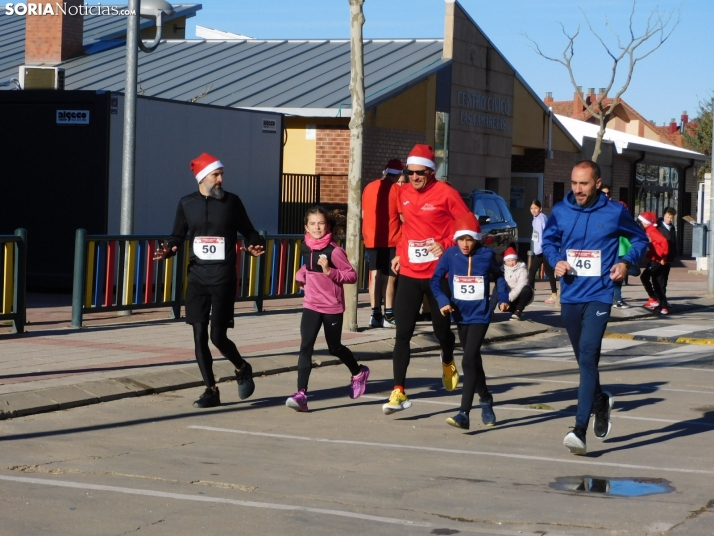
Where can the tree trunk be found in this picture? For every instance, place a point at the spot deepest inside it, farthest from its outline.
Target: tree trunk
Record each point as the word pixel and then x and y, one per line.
pixel 598 141
pixel 354 181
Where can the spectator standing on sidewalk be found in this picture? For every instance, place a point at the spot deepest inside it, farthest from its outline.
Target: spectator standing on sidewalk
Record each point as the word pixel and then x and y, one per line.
pixel 665 225
pixel 212 218
pixel 581 241
pixel 656 259
pixel 380 231
pixel 537 259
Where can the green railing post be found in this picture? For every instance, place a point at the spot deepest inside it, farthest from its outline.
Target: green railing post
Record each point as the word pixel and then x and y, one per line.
pixel 258 304
pixel 80 258
pixel 177 285
pixel 20 302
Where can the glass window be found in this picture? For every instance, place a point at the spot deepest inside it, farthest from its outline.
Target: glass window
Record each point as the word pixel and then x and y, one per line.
pixel 479 209
pixel 441 145
pixel 504 210
pixel 492 210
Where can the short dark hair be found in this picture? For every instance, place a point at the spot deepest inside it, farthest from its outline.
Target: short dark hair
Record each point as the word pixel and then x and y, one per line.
pixel 670 210
pixel 319 209
pixel 592 166
pixel 605 186
pixel 537 203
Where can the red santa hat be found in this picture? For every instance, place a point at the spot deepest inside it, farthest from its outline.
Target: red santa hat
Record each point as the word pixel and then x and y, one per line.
pixel 394 167
pixel 466 224
pixel 510 253
pixel 203 165
pixel 422 155
pixel 648 217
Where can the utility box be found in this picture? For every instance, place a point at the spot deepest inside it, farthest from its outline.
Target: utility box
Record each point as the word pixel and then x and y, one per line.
pixel 699 240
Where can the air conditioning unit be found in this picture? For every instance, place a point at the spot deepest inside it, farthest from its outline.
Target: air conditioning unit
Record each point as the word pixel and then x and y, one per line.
pixel 33 77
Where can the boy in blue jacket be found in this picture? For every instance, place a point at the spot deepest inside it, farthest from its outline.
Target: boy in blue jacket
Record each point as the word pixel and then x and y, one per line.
pixel 469 267
pixel 581 242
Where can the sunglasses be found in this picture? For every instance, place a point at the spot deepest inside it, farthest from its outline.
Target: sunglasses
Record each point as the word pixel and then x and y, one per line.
pixel 420 172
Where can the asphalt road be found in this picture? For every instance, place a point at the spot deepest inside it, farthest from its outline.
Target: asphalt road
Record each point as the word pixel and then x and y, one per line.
pixel 154 465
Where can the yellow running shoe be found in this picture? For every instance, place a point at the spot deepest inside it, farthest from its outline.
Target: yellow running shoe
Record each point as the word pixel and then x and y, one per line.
pixel 450 376
pixel 397 402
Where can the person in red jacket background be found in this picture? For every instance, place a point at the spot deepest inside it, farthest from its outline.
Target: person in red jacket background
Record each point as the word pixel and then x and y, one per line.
pixel 656 259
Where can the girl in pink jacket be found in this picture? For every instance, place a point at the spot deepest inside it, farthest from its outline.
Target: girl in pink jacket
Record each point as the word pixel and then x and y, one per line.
pixel 325 270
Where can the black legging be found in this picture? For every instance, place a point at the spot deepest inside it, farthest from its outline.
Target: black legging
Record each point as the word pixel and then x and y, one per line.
pixel 651 281
pixel 219 338
pixel 471 337
pixel 309 328
pixel 407 302
pixel 523 299
pixel 536 262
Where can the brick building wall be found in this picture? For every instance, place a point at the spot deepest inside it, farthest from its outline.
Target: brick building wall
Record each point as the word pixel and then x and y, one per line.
pixel 54 38
pixel 533 161
pixel 383 144
pixel 557 169
pixel 621 174
pixel 332 156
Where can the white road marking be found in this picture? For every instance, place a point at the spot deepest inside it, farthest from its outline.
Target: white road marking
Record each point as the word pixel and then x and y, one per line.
pixel 681 354
pixel 440 450
pixel 565 353
pixel 571 382
pixel 676 330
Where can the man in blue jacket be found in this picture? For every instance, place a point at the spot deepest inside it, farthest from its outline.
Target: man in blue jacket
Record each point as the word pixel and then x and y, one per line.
pixel 580 241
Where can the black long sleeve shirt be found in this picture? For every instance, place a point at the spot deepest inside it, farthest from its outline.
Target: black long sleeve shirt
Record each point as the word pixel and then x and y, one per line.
pixel 199 216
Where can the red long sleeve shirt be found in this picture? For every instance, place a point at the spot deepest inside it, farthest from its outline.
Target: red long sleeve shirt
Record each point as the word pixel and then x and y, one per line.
pixel 659 247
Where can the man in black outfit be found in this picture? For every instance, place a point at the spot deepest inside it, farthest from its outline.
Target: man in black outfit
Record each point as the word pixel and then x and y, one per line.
pixel 213 218
pixel 665 225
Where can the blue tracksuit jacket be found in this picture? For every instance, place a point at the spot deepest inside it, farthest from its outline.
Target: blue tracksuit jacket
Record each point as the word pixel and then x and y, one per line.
pixel 581 230
pixel 483 263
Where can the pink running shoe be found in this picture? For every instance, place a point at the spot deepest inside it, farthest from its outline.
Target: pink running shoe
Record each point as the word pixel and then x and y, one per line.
pixel 359 383
pixel 297 401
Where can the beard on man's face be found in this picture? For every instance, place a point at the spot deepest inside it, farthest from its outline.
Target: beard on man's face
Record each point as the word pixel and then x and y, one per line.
pixel 216 191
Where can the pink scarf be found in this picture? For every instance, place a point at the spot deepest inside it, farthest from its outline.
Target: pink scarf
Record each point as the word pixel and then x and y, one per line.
pixel 318 244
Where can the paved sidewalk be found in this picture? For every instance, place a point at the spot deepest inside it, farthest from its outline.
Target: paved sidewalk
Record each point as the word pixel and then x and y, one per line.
pixel 56 367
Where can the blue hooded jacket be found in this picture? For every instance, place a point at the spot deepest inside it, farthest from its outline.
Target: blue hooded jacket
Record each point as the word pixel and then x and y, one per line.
pixel 483 264
pixel 580 230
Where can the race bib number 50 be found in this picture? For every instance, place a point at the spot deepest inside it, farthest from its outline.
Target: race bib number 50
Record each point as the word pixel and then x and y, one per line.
pixel 419 251
pixel 210 248
pixel 585 262
pixel 469 288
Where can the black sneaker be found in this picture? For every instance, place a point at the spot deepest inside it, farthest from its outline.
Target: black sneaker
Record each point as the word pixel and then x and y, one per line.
pixel 487 415
pixel 209 399
pixel 244 378
pixel 601 423
pixel 575 441
pixel 459 421
pixel 621 305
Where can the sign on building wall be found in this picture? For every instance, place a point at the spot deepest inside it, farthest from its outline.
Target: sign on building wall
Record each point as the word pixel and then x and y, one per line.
pixel 483 110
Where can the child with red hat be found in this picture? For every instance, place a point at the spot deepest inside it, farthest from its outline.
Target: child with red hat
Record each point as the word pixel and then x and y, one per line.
pixel 656 259
pixel 469 266
pixel 520 293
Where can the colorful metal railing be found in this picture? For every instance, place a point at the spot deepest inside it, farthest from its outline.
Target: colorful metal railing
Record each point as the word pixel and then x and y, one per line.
pixel 13 259
pixel 118 273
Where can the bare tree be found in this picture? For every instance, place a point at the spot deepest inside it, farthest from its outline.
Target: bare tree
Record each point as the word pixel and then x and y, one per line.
pixel 659 28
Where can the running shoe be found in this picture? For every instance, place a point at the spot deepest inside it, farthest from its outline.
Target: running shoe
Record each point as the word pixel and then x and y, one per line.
pixel 551 300
pixel 601 423
pixel 575 441
pixel 389 322
pixel 651 304
pixel 359 382
pixel 375 322
pixel 516 316
pixel 450 376
pixel 621 305
pixel 460 420
pixel 209 399
pixel 664 311
pixel 488 417
pixel 297 401
pixel 244 379
pixel 397 402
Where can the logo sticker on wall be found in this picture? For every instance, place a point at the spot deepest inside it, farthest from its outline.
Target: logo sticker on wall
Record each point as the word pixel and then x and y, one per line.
pixel 270 126
pixel 72 117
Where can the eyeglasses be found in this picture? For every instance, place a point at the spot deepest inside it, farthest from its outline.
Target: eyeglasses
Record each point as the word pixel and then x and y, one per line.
pixel 420 172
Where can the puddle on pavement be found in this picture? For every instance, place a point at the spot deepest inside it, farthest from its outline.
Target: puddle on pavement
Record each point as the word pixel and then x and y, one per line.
pixel 619 487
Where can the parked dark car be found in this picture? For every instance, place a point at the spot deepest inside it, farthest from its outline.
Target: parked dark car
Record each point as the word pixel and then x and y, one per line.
pixel 497 226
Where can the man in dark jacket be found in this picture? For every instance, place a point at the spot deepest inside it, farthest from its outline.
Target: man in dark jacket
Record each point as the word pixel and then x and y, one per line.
pixel 666 226
pixel 213 218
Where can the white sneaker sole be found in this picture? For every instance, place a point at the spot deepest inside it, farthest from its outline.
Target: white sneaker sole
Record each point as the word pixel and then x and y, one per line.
pixel 611 403
pixel 575 445
pixel 388 410
pixel 294 405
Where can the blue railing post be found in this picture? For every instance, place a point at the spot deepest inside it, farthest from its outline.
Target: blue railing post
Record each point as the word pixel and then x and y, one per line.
pixel 19 300
pixel 177 286
pixel 258 304
pixel 80 257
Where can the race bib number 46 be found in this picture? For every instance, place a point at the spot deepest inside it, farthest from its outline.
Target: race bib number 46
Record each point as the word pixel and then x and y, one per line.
pixel 419 251
pixel 210 248
pixel 469 288
pixel 585 262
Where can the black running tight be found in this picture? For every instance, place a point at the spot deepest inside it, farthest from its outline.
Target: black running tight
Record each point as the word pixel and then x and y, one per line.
pixel 474 381
pixel 310 325
pixel 219 338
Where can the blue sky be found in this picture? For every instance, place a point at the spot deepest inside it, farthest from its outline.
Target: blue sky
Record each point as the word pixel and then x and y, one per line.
pixel 673 79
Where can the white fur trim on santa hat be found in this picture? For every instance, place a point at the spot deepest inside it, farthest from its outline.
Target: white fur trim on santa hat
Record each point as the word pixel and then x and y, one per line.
pixel 420 161
pixel 469 232
pixel 391 171
pixel 506 257
pixel 646 220
pixel 205 171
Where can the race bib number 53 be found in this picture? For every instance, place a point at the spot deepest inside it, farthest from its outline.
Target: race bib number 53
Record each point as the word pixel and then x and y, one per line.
pixel 585 262
pixel 419 251
pixel 469 288
pixel 210 248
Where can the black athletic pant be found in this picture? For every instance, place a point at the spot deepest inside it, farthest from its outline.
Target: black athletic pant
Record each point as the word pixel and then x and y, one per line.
pixel 309 328
pixel 471 337
pixel 663 278
pixel 650 280
pixel 407 303
pixel 523 299
pixel 536 262
pixel 219 338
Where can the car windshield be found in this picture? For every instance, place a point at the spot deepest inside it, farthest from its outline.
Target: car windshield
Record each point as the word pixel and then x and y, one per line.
pixel 491 210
